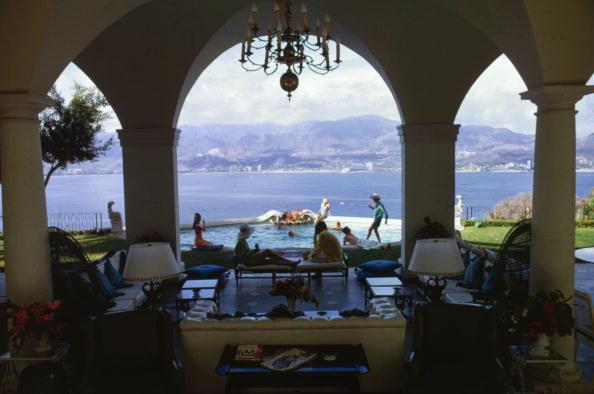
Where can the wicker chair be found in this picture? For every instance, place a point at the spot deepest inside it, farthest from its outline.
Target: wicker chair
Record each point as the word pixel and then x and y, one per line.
pixel 510 272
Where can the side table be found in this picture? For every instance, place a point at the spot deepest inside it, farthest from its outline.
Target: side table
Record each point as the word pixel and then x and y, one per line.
pixel 186 297
pixel 521 359
pixel 390 281
pixel 199 284
pixel 56 355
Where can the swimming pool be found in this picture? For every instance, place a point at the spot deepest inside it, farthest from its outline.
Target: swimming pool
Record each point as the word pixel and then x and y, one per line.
pixel 269 236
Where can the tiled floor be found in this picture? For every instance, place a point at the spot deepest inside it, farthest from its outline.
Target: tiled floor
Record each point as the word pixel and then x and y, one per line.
pixel 252 295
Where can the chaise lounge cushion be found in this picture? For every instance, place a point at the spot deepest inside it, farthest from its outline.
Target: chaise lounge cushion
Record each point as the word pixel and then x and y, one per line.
pixel 308 266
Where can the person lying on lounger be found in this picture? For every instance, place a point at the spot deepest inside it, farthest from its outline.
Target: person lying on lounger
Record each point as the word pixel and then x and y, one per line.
pixel 250 257
pixel 352 239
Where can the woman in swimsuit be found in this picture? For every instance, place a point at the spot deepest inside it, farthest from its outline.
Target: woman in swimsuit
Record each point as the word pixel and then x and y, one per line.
pixel 199 242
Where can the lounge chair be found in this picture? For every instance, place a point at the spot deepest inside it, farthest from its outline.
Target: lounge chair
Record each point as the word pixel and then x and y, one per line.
pixel 338 269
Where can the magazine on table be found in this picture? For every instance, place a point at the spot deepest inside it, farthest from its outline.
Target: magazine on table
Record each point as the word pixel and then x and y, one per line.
pixel 288 360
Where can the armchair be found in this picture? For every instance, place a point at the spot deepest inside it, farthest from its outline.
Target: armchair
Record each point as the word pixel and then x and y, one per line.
pixel 456 348
pixel 132 352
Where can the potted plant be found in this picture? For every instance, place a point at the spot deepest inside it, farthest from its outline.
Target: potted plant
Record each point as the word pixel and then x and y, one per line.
pixel 547 313
pixel 293 289
pixel 34 324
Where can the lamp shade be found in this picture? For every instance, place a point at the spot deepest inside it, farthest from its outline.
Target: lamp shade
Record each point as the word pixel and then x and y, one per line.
pixel 438 256
pixel 151 261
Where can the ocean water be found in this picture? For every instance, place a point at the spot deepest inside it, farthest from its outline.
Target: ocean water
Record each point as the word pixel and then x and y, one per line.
pixel 233 195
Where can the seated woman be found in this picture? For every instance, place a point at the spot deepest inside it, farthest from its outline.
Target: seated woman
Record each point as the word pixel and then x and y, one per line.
pixel 199 241
pixel 351 239
pixel 252 258
pixel 327 248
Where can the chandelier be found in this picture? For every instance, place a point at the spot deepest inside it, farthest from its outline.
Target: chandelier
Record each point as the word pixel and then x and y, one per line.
pixel 287 45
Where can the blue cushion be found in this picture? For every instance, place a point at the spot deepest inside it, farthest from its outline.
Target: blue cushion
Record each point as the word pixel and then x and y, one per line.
pixel 115 277
pixel 104 286
pixel 379 266
pixel 495 281
pixel 474 274
pixel 206 272
pixel 466 259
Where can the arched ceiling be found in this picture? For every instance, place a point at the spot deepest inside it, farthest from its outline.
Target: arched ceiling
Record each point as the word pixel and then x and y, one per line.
pixel 147 62
pixel 145 55
pixel 38 39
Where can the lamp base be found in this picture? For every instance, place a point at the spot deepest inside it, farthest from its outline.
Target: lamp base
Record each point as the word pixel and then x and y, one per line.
pixel 435 287
pixel 152 292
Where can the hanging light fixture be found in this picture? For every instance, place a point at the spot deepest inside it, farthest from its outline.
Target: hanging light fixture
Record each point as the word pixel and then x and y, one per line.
pixel 287 45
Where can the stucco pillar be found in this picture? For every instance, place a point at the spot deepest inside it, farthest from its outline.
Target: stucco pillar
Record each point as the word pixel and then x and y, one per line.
pixel 553 215
pixel 150 183
pixel 428 178
pixel 26 246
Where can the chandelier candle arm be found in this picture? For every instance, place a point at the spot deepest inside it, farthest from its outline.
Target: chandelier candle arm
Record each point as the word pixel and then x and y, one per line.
pixel 305 17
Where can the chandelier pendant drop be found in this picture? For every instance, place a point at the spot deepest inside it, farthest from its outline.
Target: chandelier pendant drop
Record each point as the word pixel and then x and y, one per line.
pixel 288 45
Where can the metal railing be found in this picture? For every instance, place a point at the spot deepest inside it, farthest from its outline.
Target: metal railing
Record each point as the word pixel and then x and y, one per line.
pixel 81 221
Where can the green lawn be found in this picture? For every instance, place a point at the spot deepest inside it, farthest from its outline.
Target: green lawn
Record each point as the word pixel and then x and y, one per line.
pixel 491 237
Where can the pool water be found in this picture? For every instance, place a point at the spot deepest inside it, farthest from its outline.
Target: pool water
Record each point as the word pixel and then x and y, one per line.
pixel 269 236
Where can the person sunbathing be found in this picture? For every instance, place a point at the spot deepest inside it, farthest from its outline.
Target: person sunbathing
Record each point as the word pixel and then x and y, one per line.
pixel 250 257
pixel 327 248
pixel 199 241
pixel 352 239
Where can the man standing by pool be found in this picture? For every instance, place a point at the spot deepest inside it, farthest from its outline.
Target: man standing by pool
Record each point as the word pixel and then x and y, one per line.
pixel 379 211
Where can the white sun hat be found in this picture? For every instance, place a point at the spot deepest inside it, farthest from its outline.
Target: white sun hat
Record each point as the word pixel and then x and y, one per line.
pixel 245 231
pixel 375 195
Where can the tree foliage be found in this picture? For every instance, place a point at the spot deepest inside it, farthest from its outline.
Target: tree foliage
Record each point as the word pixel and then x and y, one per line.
pixel 69 131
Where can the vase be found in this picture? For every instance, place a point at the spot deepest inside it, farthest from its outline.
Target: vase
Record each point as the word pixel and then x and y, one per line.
pixel 541 346
pixel 43 344
pixel 291 304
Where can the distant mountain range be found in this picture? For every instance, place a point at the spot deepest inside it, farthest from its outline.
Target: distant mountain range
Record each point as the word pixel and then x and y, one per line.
pixel 356 143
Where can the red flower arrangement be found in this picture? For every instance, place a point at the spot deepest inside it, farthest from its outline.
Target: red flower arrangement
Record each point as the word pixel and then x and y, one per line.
pixel 294 288
pixel 36 321
pixel 549 313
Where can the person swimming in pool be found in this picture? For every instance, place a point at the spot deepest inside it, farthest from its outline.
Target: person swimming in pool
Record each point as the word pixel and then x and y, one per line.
pixel 199 241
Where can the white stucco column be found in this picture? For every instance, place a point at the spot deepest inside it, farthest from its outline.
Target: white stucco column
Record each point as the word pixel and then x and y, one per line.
pixel 150 183
pixel 428 178
pixel 553 215
pixel 26 246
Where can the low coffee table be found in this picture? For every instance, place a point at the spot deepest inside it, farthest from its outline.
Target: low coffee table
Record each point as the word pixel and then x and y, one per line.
pixel 343 370
pixel 388 281
pixel 186 297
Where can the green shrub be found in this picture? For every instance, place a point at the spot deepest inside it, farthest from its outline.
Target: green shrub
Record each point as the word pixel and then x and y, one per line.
pixel 509 223
pixel 488 223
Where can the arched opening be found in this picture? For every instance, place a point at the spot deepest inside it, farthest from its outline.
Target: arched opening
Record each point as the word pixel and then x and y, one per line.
pixel 94 183
pixel 245 149
pixel 496 142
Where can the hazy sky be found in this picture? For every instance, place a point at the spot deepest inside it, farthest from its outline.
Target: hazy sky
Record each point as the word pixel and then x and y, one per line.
pixel 226 93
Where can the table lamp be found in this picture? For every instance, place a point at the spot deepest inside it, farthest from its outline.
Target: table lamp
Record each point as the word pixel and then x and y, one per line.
pixel 439 258
pixel 151 262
